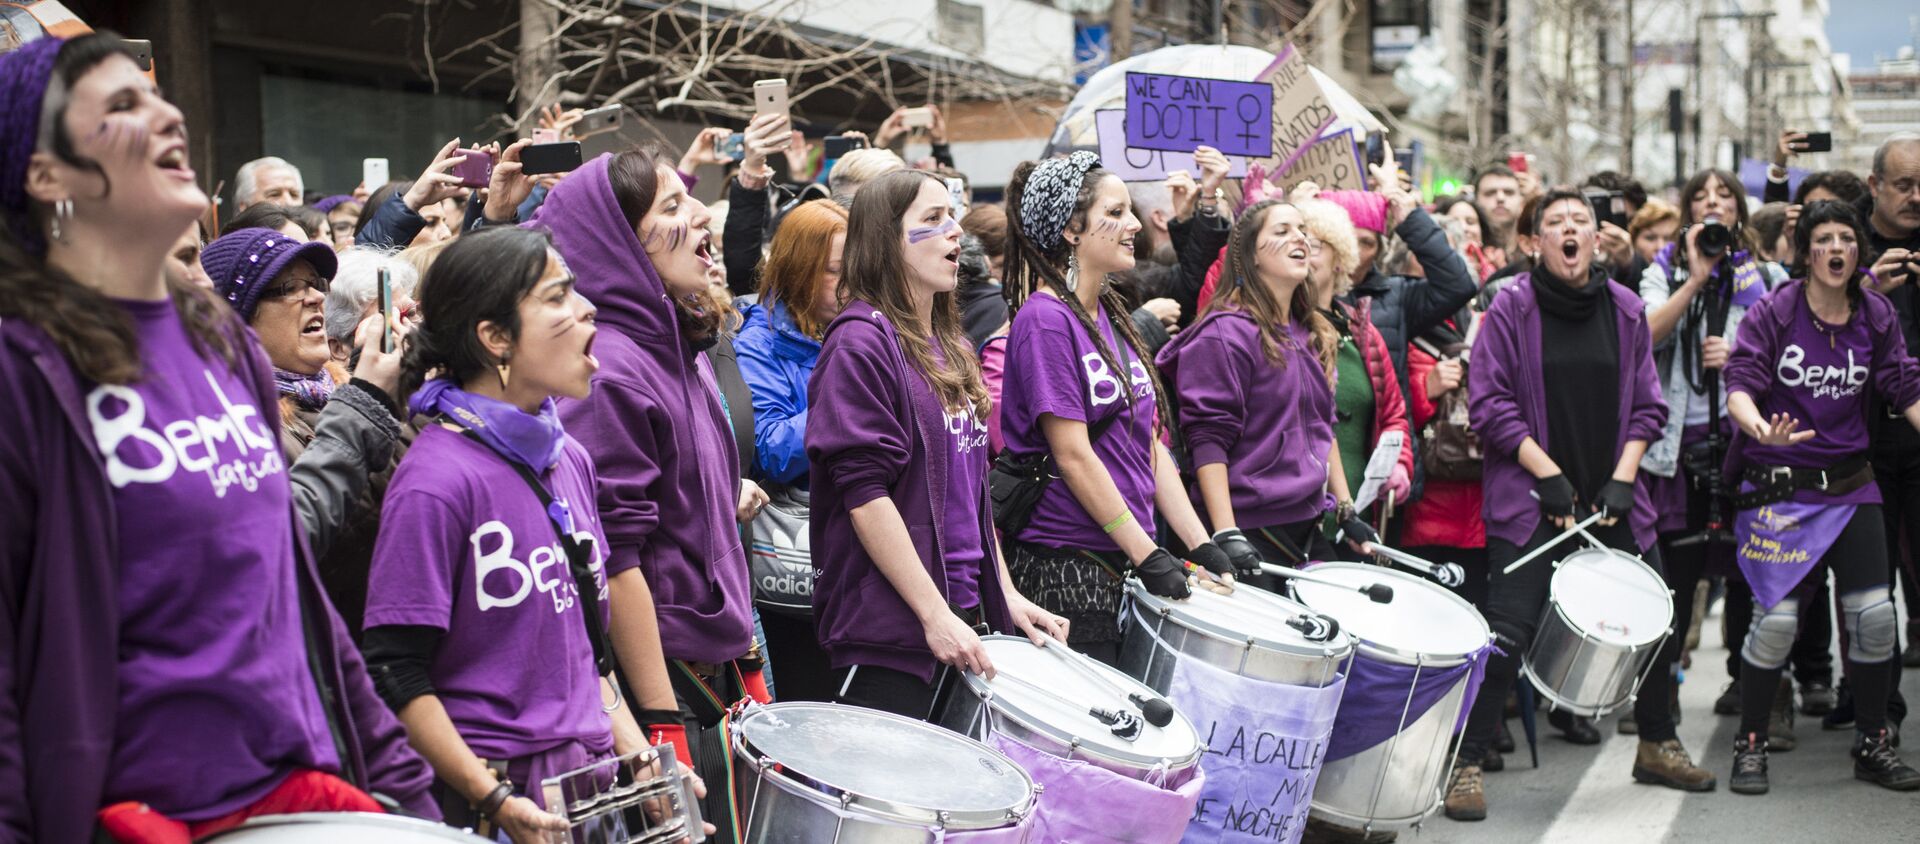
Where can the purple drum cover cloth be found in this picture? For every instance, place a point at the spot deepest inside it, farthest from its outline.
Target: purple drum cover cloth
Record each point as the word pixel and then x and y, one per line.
pixel 1377 696
pixel 1265 744
pixel 1082 803
pixel 1779 543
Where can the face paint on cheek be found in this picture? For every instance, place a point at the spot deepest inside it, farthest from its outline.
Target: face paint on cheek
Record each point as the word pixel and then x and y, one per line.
pixel 1272 246
pixel 673 236
pixel 1107 227
pixel 917 235
pixel 118 136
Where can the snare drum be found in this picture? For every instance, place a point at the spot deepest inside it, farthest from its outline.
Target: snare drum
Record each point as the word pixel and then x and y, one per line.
pixel 1252 633
pixel 1601 630
pixel 822 773
pixel 1397 782
pixel 331 827
pixel 1056 721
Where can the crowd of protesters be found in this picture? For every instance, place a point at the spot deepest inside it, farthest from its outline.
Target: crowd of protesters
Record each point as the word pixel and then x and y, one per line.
pixel 406 498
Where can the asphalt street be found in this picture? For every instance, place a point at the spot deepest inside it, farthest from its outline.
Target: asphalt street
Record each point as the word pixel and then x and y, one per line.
pixel 1587 794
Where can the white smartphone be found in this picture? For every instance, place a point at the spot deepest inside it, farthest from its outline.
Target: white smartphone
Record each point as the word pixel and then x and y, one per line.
pixel 373 173
pixel 770 97
pixel 917 118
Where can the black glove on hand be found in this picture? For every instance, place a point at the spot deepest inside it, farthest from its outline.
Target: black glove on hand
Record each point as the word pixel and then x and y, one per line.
pixel 1358 531
pixel 1163 575
pixel 1556 496
pixel 1616 499
pixel 1213 557
pixel 1246 559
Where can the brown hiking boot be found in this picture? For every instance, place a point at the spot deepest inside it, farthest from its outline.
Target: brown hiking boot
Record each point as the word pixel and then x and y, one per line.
pixel 1668 764
pixel 1466 794
pixel 1780 737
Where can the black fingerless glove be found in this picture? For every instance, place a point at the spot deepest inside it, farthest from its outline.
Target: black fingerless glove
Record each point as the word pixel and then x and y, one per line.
pixel 1616 499
pixel 1246 559
pixel 1163 575
pixel 1556 496
pixel 1213 557
pixel 1357 530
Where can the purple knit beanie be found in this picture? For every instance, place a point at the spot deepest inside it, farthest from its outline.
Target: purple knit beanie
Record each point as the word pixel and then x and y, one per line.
pixel 242 262
pixel 24 75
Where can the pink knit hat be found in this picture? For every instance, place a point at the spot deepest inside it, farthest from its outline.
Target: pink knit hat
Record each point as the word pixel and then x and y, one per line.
pixel 1367 210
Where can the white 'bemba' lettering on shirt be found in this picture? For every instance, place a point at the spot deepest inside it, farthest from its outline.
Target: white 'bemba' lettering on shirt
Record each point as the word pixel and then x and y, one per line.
pixel 967 430
pixel 1833 382
pixel 536 573
pixel 193 445
pixel 1103 389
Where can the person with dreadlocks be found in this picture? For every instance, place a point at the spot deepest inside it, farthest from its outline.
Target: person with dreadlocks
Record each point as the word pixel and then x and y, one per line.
pixel 1081 387
pixel 1253 378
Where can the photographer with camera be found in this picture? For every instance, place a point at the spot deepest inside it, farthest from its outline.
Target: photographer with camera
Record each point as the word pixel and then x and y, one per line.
pixel 1697 290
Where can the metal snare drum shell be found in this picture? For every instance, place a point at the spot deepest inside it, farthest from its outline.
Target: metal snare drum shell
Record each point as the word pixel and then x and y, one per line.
pixel 823 773
pixel 1599 634
pixel 1244 633
pixel 330 827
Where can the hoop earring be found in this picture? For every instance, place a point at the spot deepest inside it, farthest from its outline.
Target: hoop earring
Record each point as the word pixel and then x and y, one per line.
pixel 1073 273
pixel 62 210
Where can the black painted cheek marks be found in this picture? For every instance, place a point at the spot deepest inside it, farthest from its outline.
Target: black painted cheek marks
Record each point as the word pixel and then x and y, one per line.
pixel 673 235
pixel 1273 245
pixel 1107 227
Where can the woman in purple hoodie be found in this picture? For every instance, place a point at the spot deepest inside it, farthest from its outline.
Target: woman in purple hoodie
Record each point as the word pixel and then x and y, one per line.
pixel 909 569
pixel 171 664
pixel 670 484
pixel 1254 381
pixel 1564 425
pixel 1081 390
pixel 1813 358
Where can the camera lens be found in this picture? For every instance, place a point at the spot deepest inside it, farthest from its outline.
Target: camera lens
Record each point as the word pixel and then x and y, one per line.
pixel 1714 238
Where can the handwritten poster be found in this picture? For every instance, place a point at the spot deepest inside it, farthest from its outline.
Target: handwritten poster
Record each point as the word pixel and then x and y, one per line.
pixel 1264 746
pixel 1333 163
pixel 1300 109
pixel 1146 165
pixel 1181 113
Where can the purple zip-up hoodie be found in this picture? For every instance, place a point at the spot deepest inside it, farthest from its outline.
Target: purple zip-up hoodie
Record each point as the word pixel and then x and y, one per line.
pixel 1272 426
pixel 668 466
pixel 875 429
pixel 1507 403
pixel 59 645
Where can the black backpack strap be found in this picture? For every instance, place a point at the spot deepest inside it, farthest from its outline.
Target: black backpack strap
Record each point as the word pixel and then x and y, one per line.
pixel 579 563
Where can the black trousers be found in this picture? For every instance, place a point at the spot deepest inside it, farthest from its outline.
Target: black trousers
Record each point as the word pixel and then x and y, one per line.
pixel 1472 561
pixel 1855 560
pixel 800 668
pixel 1514 604
pixel 1896 468
pixel 888 690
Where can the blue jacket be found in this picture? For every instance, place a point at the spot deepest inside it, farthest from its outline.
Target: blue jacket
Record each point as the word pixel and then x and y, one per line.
pixel 776 360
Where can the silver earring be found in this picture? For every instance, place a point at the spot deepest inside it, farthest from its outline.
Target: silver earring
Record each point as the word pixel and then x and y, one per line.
pixel 62 210
pixel 1073 273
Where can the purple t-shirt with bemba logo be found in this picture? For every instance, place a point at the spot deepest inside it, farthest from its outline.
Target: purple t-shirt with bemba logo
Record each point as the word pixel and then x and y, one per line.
pixel 217 704
pixel 466 547
pixel 1053 367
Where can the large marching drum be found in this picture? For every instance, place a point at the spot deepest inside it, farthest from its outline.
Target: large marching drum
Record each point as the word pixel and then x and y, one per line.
pixel 822 773
pixel 1252 632
pixel 1602 628
pixel 330 827
pixel 1405 698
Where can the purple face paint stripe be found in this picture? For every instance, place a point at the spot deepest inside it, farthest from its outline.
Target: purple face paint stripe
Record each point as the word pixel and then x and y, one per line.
pixel 925 232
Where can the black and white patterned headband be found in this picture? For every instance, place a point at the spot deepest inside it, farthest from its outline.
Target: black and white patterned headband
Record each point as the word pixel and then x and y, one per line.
pixel 1051 190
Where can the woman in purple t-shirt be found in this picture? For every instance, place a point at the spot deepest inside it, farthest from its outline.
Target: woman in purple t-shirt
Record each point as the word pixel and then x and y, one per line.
pixel 909 569
pixel 172 665
pixel 1812 358
pixel 1081 393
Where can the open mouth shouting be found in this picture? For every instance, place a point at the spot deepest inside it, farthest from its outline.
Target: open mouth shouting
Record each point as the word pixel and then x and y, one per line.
pixel 703 248
pixel 953 257
pixel 593 363
pixel 173 161
pixel 1836 264
pixel 1570 249
pixel 314 327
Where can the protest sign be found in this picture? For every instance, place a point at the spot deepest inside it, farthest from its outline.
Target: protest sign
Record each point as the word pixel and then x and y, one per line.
pixel 1179 113
pixel 1145 165
pixel 1300 109
pixel 1333 163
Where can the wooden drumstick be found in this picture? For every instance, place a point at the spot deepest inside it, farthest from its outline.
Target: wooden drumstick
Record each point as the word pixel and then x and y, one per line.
pixel 1379 593
pixel 1579 528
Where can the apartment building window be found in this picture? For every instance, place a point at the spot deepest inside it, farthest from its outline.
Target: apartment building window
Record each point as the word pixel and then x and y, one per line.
pixel 962 26
pixel 1397 26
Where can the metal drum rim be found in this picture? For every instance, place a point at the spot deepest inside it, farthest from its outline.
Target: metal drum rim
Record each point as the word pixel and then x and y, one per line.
pixel 1137 761
pixel 1338 649
pixel 875 807
pixel 1395 655
pixel 376 819
pixel 1561 701
pixel 1666 595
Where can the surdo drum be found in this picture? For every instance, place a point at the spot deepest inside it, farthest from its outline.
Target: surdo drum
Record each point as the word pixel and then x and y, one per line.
pixel 1252 632
pixel 330 827
pixel 1605 619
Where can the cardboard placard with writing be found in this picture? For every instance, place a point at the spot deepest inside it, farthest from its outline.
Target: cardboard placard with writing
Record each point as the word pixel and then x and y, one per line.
pixel 1333 163
pixel 1300 109
pixel 1182 113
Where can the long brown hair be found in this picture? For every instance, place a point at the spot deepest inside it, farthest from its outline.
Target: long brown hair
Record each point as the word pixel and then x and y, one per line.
pixel 798 256
pixel 875 272
pixel 634 175
pixel 1248 293
pixel 95 335
pixel 1028 268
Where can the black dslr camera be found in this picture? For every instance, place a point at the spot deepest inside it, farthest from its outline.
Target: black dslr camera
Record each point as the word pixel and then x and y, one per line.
pixel 1714 240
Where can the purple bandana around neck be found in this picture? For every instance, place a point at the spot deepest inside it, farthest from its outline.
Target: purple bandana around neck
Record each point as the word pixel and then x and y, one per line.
pixel 309 392
pixel 532 440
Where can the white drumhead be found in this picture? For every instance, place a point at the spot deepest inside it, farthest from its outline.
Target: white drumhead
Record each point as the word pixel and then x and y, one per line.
pixel 330 827
pixel 1248 613
pixel 1422 620
pixel 889 763
pixel 1613 597
pixel 1065 717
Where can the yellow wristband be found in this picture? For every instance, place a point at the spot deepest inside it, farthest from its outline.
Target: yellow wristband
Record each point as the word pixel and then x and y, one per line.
pixel 1124 517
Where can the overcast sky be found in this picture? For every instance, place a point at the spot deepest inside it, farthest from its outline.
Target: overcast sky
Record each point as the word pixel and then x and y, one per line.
pixel 1864 27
